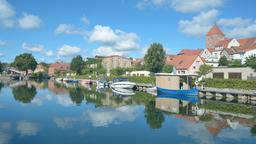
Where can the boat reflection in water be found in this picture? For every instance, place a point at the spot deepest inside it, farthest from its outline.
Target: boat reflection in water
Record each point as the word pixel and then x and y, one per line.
pixel 122 92
pixel 179 105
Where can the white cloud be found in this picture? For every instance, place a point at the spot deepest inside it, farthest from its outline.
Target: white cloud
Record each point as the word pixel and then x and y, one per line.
pixel 29 21
pixel 85 20
pixel 3 43
pixel 5 137
pixel 106 117
pixel 8 23
pixel 26 128
pixel 199 24
pixel 49 53
pixel 33 47
pixel 184 6
pixel 187 6
pixel 142 4
pixel 66 122
pixel 238 21
pixel 67 50
pixel 103 34
pixel 238 134
pixel 6 14
pixel 197 131
pixel 68 29
pixel 6 10
pixel 113 41
pixel 1 54
pixel 107 51
pixel 238 27
pixel 37 48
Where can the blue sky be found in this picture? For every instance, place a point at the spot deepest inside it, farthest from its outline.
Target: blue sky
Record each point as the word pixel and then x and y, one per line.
pixel 59 29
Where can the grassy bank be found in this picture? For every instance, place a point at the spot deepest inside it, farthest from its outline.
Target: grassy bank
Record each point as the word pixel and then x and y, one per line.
pixel 230 83
pixel 150 80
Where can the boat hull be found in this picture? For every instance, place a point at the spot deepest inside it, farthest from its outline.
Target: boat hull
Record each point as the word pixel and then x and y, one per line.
pixel 123 92
pixel 123 85
pixel 163 91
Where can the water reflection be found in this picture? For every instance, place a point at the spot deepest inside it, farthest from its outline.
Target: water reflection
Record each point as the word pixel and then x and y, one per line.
pixel 76 95
pixel 24 92
pixel 154 117
pixel 88 111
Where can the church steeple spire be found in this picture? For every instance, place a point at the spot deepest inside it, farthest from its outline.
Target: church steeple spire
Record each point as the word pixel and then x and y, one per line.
pixel 215 30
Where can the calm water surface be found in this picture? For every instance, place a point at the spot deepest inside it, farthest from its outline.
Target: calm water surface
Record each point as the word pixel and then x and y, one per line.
pixel 48 112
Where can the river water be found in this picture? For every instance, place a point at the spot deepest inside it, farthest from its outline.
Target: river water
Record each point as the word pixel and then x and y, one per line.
pixel 49 112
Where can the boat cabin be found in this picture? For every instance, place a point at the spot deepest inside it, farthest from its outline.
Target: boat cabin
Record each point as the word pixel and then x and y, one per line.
pixel 175 82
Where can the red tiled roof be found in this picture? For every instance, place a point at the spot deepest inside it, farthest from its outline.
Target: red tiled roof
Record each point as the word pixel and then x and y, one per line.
pixel 182 61
pixel 223 43
pixel 246 44
pixel 215 31
pixel 210 50
pixel 190 52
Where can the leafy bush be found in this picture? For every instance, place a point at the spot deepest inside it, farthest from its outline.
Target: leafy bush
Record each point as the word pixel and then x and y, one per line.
pixel 230 83
pixel 151 80
pixel 223 61
pixel 236 63
pixel 167 68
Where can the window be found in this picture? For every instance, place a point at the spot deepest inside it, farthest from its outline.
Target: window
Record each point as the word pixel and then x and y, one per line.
pixel 218 75
pixel 234 75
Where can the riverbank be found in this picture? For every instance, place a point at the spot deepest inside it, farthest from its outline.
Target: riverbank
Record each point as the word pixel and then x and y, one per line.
pixel 229 83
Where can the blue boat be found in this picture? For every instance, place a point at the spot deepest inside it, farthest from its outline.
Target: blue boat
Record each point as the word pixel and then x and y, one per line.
pixel 163 91
pixel 191 99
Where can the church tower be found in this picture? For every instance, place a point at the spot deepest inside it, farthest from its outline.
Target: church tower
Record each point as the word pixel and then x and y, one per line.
pixel 214 36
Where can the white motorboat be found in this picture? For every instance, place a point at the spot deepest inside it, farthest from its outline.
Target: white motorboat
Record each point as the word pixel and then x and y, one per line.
pixel 123 92
pixel 122 83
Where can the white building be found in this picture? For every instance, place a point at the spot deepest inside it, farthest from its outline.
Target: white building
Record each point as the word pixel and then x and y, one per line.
pixel 140 73
pixel 217 45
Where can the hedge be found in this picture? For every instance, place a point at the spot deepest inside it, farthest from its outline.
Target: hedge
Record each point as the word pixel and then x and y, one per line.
pixel 230 83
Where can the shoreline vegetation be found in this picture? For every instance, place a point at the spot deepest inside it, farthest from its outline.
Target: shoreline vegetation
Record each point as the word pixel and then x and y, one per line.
pixel 229 83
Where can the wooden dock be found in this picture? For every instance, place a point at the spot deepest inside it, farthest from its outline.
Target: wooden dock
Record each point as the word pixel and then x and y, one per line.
pixel 229 95
pixel 143 86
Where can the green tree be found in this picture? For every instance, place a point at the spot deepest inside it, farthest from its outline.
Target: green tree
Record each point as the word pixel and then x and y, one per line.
pixel 204 69
pixel 1 67
pixel 253 130
pixel 223 61
pixel 77 64
pixel 118 71
pixel 24 62
pixel 167 68
pixel 24 93
pixel 155 58
pixel 76 95
pixel 154 117
pixel 251 62
pixel 236 63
